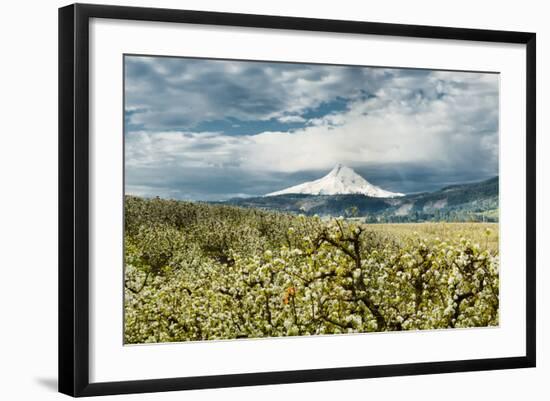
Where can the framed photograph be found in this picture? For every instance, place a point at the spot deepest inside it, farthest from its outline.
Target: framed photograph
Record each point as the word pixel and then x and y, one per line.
pixel 250 199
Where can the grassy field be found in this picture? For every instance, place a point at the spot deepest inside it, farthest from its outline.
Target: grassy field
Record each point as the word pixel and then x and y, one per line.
pixel 485 234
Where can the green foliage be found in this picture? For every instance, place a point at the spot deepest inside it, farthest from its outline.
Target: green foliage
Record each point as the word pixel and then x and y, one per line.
pixel 199 272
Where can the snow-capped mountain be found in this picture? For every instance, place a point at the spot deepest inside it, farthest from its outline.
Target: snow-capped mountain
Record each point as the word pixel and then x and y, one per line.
pixel 340 181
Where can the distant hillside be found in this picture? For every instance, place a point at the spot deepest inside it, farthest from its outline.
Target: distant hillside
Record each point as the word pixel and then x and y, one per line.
pixel 465 202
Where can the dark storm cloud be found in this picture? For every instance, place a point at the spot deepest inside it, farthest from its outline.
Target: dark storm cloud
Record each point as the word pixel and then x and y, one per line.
pixel 178 93
pixel 205 183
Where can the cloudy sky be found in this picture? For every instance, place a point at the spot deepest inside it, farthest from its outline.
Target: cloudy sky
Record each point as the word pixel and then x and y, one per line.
pixel 213 129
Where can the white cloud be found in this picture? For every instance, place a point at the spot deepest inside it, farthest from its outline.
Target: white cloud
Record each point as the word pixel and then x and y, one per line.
pixel 378 130
pixel 291 119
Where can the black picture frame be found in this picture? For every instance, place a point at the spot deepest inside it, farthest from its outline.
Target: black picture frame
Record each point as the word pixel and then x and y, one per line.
pixel 74 198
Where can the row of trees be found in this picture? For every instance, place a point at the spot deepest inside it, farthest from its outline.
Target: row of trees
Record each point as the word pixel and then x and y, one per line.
pixel 197 272
pixel 446 215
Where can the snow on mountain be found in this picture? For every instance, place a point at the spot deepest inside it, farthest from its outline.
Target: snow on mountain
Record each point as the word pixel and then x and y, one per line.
pixel 341 180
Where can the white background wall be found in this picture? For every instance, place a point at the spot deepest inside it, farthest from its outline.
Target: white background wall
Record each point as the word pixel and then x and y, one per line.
pixel 28 199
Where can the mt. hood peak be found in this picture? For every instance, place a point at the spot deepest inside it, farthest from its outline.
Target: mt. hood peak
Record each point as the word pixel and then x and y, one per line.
pixel 341 180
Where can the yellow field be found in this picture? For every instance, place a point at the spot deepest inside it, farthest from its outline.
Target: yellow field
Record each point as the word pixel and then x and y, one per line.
pixel 485 234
